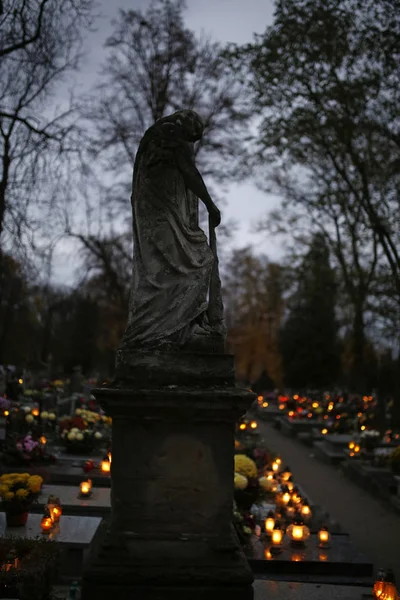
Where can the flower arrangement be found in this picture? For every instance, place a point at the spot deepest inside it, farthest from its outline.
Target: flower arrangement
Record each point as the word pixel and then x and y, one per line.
pixel 245 466
pixel 18 491
pixel 83 432
pixel 23 450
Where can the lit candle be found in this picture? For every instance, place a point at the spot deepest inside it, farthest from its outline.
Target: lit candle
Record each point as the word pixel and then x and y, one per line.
pixel 286 474
pixel 290 484
pixel 324 537
pixel 253 425
pixel 275 466
pixel 286 497
pixel 276 539
pixel 43 440
pixel 105 465
pixel 306 511
pixel 389 591
pixel 290 509
pixel 35 412
pixel 298 533
pixel 379 584
pixel 57 510
pixel 269 523
pixel 46 522
pixel 86 488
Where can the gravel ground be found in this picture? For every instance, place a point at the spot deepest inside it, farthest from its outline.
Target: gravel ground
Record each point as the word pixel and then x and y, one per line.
pixel 374 529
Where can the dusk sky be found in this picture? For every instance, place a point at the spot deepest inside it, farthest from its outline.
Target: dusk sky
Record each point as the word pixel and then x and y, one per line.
pixel 225 21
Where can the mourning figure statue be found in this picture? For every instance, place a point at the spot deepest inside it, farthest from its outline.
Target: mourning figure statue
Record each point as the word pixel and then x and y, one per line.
pixel 175 296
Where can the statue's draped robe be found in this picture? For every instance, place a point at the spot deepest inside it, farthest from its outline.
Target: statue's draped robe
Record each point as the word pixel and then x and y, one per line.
pixel 172 261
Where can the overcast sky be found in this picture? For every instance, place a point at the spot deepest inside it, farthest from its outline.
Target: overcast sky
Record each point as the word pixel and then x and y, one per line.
pixel 225 21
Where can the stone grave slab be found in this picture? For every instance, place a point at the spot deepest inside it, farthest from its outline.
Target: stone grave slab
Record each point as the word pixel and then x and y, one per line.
pixel 378 481
pixel 268 414
pixel 282 590
pixel 97 504
pixel 341 559
pixel 338 441
pixel 293 427
pixel 329 455
pixel 74 534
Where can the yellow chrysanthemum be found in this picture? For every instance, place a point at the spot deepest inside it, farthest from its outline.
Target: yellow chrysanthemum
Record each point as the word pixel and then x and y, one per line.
pixel 245 466
pixel 21 493
pixel 36 478
pixel 35 489
pixel 240 481
pixel 4 489
pixel 35 483
pixel 25 476
pixel 9 496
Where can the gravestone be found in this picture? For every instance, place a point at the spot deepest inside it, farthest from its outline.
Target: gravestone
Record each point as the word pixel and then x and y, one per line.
pixel 174 402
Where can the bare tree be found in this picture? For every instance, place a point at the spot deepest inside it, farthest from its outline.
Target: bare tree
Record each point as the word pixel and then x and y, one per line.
pixel 154 66
pixel 40 44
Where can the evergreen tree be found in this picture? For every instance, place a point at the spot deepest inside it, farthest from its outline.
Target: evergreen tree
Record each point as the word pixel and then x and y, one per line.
pixel 309 334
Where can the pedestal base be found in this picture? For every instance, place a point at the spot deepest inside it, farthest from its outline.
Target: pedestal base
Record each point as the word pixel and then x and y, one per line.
pixel 170 535
pixel 126 568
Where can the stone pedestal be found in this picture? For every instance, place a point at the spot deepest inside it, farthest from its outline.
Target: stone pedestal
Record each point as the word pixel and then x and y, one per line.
pixel 170 535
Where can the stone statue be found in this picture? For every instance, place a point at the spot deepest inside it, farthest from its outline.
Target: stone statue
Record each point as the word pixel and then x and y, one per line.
pixel 175 296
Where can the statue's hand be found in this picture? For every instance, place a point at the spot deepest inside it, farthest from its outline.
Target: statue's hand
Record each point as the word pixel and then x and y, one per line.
pixel 215 215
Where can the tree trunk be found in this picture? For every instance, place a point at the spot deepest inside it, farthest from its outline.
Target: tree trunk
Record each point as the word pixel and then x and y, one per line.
pixel 357 378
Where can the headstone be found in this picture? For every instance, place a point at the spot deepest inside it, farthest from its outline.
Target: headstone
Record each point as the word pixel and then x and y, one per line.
pixel 174 402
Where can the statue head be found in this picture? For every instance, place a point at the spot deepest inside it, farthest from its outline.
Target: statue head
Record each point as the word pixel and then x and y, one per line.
pixel 190 122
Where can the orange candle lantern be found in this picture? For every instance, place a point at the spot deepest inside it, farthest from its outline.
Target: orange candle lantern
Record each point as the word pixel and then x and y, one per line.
pixel 306 511
pixel 379 584
pixel 290 509
pixel 105 465
pixel 86 488
pixel 298 533
pixel 276 539
pixel 389 591
pixel 324 537
pixel 57 511
pixel 269 473
pixel 35 412
pixel 46 522
pixel 286 474
pixel 269 523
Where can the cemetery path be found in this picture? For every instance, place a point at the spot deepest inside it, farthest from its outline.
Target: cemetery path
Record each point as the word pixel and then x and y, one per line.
pixel 373 527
